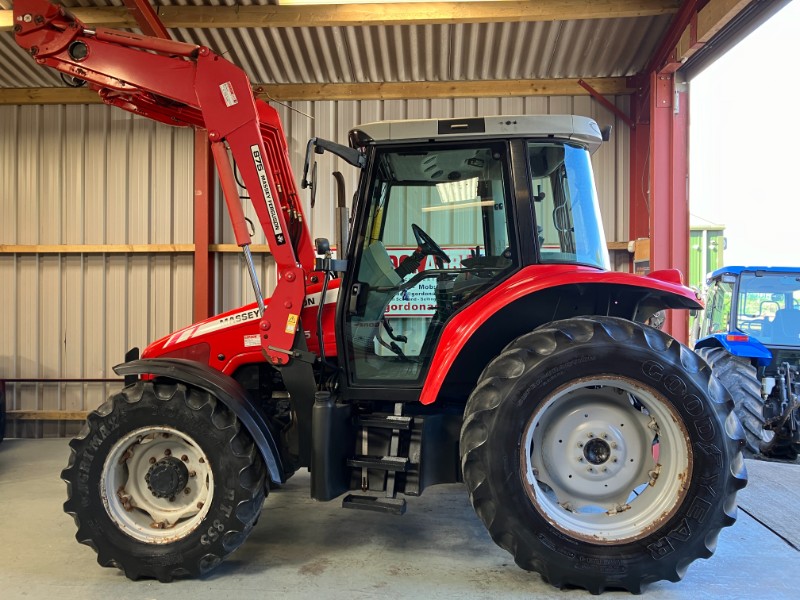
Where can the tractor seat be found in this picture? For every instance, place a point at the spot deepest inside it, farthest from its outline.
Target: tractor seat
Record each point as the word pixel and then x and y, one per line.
pixel 786 327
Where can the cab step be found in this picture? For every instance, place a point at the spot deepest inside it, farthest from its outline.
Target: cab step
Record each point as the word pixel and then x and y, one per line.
pixel 383 463
pixel 385 421
pixel 393 506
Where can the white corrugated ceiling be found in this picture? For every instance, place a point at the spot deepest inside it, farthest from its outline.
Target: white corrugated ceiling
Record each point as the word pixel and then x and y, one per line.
pixel 400 53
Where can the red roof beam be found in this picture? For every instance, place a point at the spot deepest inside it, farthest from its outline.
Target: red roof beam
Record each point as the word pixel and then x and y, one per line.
pixel 147 18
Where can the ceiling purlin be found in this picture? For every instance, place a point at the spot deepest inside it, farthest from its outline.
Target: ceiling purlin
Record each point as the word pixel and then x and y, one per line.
pixel 342 15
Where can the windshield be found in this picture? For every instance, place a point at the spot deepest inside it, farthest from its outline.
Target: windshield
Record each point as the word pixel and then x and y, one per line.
pixel 769 307
pixel 568 223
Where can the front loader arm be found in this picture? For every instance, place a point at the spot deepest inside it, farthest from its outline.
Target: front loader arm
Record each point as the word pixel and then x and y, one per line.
pixel 187 85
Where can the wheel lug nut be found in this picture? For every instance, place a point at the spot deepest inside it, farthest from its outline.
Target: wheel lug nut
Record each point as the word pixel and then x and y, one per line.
pixel 590 469
pixel 186 490
pixel 192 473
pixel 605 436
pixel 580 459
pixel 614 445
pixel 152 460
pixel 613 460
pixel 590 434
pixel 199 505
pixel 580 444
pixel 172 498
pixel 167 452
pixel 185 458
pixel 201 460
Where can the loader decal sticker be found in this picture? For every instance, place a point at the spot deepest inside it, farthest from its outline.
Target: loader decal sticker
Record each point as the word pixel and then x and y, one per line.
pixel 291 324
pixel 280 238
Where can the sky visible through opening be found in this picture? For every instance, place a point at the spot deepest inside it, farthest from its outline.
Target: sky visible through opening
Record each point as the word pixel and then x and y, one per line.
pixel 745 144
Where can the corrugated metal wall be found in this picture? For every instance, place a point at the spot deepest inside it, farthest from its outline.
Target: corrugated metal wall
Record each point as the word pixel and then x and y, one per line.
pixel 94 175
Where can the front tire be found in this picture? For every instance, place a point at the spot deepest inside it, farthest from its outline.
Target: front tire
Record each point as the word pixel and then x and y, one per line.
pixel 601 454
pixel 163 481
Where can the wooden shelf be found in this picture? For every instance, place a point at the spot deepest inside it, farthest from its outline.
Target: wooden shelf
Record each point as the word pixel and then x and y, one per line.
pixel 122 248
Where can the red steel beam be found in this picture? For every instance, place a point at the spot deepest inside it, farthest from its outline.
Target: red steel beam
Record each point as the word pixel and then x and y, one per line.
pixel 147 18
pixel 203 226
pixel 607 104
pixel 669 196
pixel 679 23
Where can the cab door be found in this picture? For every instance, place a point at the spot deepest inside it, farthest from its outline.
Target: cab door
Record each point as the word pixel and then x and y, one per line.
pixel 434 233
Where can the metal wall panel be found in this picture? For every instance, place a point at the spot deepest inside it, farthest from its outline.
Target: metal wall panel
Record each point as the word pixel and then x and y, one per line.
pixel 87 175
pixel 93 175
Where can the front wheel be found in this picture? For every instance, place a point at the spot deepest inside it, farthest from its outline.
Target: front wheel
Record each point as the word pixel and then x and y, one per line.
pixel 163 481
pixel 601 454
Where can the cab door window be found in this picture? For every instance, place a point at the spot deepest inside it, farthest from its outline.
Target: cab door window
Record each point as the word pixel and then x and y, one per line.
pixel 437 235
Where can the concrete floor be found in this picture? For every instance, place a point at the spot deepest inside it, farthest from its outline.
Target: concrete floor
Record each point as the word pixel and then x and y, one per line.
pixel 304 549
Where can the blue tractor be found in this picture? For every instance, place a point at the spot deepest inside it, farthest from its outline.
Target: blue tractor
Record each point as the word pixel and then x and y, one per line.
pixel 750 336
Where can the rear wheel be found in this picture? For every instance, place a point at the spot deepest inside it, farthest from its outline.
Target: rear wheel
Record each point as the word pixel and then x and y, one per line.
pixel 738 375
pixel 600 453
pixel 163 481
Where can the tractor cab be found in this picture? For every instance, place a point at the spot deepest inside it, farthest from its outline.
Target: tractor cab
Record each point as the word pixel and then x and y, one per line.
pixel 447 210
pixel 755 306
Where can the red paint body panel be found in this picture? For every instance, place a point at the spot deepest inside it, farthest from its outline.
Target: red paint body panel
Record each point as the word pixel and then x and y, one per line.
pixel 530 280
pixel 226 333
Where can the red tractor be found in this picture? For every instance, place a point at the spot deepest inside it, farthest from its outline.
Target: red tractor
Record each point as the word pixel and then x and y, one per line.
pixel 470 331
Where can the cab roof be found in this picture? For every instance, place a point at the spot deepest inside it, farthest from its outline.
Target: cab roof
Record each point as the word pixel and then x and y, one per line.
pixel 581 130
pixel 738 270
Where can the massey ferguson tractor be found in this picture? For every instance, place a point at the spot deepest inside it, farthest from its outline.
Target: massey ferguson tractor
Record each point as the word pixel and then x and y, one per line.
pixel 471 331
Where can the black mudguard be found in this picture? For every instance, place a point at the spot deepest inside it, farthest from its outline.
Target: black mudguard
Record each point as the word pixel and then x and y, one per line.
pixel 225 389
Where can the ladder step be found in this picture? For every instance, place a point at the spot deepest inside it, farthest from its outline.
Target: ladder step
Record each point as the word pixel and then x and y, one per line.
pixel 385 463
pixel 394 506
pixel 385 421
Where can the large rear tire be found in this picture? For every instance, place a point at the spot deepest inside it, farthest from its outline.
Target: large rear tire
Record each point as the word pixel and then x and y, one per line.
pixel 738 376
pixel 601 454
pixel 163 481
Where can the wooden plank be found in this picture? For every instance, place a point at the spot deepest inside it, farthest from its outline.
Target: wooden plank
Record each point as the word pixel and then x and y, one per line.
pixel 347 15
pixel 121 248
pixel 717 14
pixel 95 248
pixel 46 415
pixel 618 246
pixel 610 86
pixel 710 20
pixel 441 89
pixel 52 95
pixel 254 248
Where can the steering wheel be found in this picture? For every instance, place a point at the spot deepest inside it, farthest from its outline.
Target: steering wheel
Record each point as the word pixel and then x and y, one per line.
pixel 427 245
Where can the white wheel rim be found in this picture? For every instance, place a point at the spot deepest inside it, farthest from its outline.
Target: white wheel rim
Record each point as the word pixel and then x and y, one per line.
pixel 136 509
pixel 605 459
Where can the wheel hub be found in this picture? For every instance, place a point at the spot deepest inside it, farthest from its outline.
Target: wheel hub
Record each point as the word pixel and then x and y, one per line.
pixel 167 477
pixel 597 451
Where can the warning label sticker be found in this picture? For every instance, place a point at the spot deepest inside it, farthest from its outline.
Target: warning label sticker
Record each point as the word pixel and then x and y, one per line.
pixel 228 94
pixel 291 323
pixel 252 341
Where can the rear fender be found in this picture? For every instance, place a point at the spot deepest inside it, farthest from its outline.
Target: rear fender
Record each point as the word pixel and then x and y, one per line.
pixel 225 389
pixel 532 297
pixel 734 343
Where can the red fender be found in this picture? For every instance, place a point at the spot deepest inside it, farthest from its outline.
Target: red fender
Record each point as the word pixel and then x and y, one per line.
pixel 530 280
